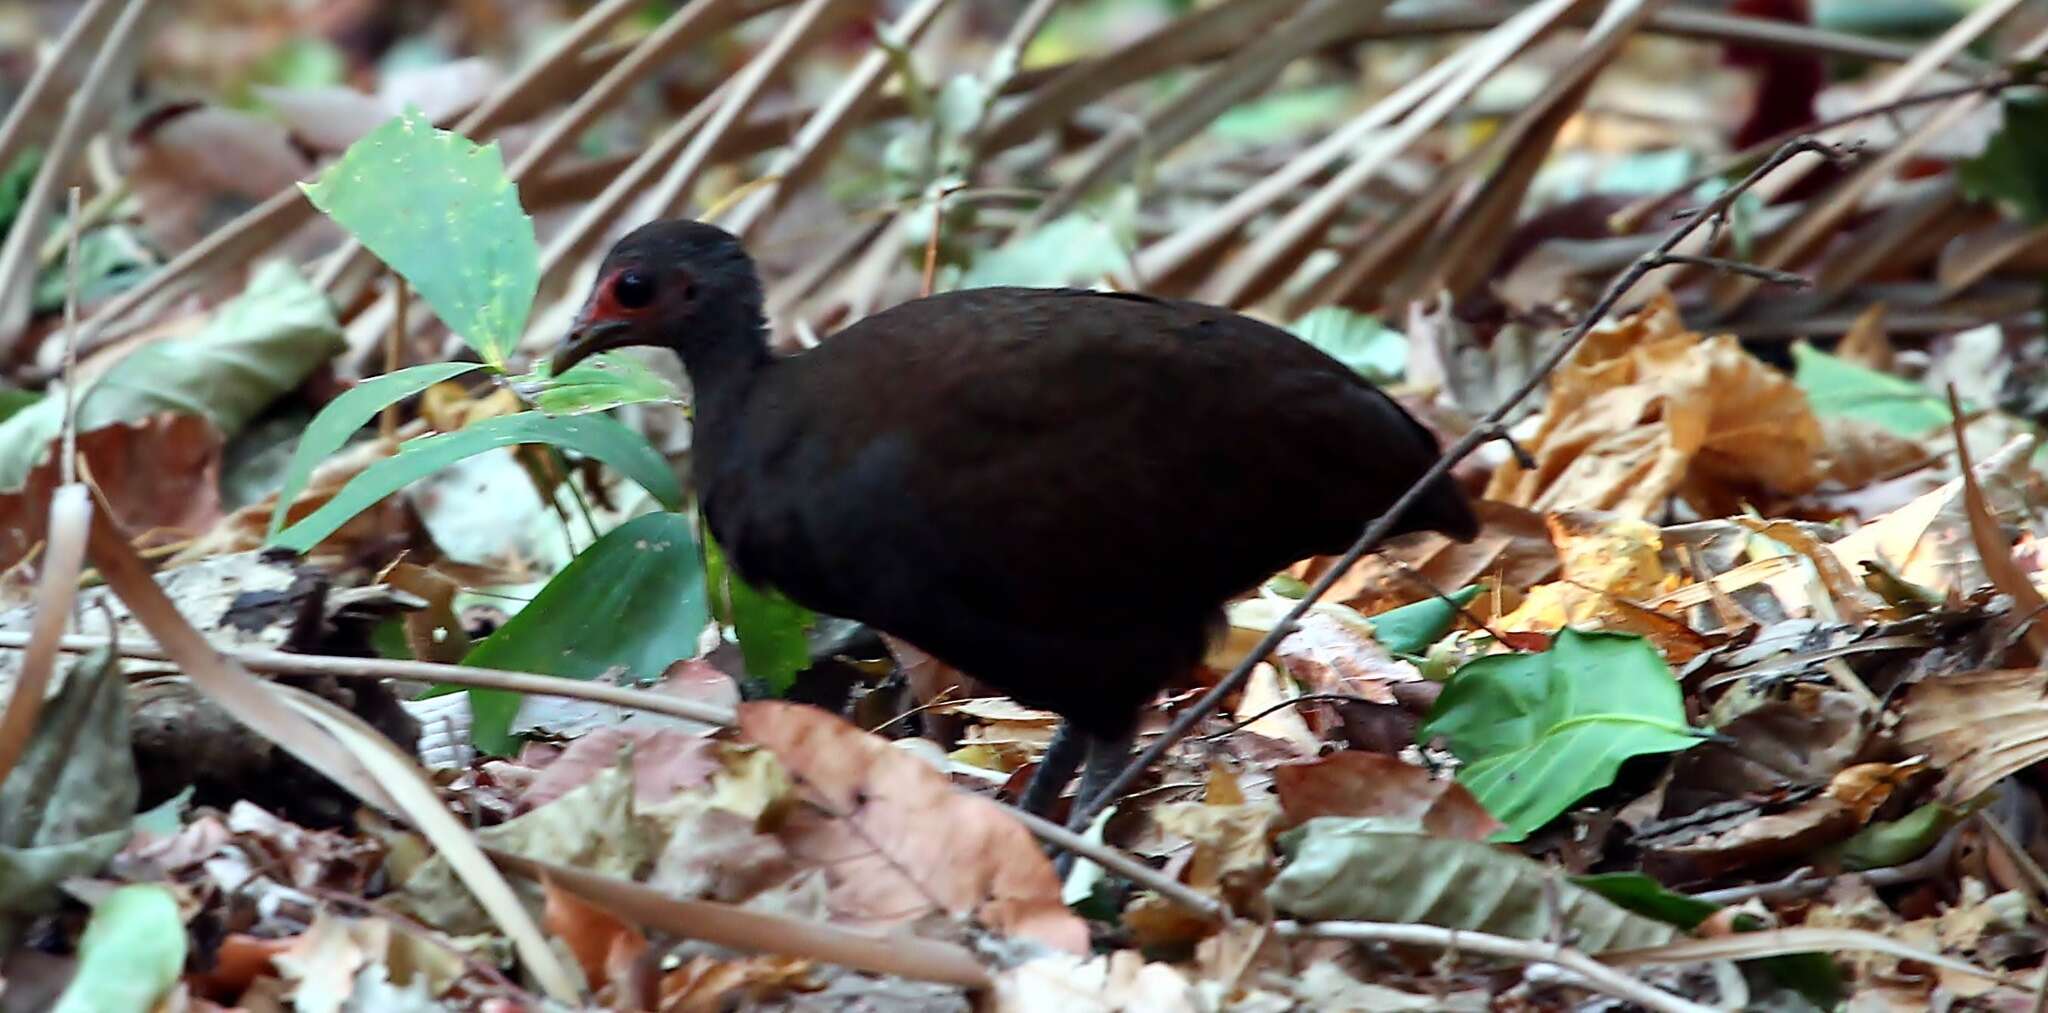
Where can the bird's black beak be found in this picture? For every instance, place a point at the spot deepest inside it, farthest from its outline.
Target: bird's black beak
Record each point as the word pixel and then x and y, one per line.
pixel 588 338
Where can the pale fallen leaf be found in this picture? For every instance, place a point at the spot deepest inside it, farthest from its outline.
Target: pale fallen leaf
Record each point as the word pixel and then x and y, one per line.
pixel 897 838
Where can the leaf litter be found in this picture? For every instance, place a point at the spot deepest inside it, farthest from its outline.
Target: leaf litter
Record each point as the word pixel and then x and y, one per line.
pixel 1736 707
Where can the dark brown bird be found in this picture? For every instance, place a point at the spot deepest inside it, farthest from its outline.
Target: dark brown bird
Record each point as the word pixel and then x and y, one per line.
pixel 1053 490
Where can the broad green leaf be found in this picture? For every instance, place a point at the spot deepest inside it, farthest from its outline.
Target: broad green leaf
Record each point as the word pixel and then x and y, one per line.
pixel 1410 629
pixel 348 413
pixel 2008 171
pixel 1372 349
pixel 262 344
pixel 1381 870
pixel 441 211
pixel 772 630
pixel 591 435
pixel 1537 732
pixel 1838 388
pixel 631 603
pixel 131 952
pixel 600 383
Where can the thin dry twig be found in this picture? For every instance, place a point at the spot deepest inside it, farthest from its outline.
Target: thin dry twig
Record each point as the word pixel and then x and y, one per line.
pixel 1085 809
pixel 1592 973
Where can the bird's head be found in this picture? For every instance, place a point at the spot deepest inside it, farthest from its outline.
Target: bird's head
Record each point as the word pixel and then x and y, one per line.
pixel 667 283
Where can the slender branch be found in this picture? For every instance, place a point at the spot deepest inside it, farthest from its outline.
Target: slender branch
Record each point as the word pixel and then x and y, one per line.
pixel 425 671
pixel 1770 274
pixel 1085 809
pixel 1991 85
pixel 1590 972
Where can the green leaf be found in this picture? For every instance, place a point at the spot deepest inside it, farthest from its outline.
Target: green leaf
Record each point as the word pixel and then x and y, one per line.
pixel 592 435
pixel 1896 842
pixel 1073 249
pixel 262 344
pixel 1839 388
pixel 69 803
pixel 1646 896
pixel 1382 870
pixel 441 211
pixel 772 630
pixel 12 401
pixel 111 260
pixel 1537 732
pixel 2008 171
pixel 1410 629
pixel 600 383
pixel 15 182
pixel 1372 349
pixel 348 413
pixel 633 601
pixel 131 953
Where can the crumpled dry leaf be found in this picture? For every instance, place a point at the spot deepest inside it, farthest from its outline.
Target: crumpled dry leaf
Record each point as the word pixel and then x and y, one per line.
pixel 1512 552
pixel 1928 542
pixel 1850 800
pixel 160 475
pixel 1977 727
pixel 1647 409
pixel 881 816
pixel 1355 783
pixel 1123 980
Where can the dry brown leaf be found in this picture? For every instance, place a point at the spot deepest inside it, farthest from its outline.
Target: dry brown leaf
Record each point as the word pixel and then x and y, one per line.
pixel 1928 541
pixel 1513 551
pixel 898 840
pixel 1844 808
pixel 1977 727
pixel 1355 783
pixel 708 985
pixel 1857 452
pixel 161 476
pixel 600 941
pixel 1993 550
pixel 1647 409
pixel 665 762
pixel 1866 343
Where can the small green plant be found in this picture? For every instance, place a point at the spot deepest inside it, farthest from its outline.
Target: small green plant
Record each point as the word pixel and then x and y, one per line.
pixel 440 211
pixel 1538 732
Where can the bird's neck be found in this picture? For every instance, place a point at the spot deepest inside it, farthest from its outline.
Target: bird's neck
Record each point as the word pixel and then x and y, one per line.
pixel 724 356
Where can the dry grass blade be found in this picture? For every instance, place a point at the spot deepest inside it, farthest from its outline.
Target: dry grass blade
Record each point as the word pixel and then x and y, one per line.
pixel 63 557
pixel 247 698
pixel 87 109
pixel 686 27
pixel 1779 942
pixel 1201 35
pixel 1973 256
pixel 670 196
pixel 1267 260
pixel 1461 258
pixel 760 931
pixel 1992 548
pixel 1895 87
pixel 1170 255
pixel 1908 232
pixel 821 134
pixel 1822 220
pixel 1243 74
pixel 44 88
pixel 407 785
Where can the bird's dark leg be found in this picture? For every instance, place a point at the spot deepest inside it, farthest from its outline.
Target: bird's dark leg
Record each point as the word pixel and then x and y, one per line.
pixel 1062 757
pixel 1106 757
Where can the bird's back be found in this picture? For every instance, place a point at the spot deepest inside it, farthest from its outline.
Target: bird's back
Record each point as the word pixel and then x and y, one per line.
pixel 994 473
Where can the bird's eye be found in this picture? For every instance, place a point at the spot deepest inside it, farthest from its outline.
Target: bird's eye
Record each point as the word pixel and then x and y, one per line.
pixel 633 290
